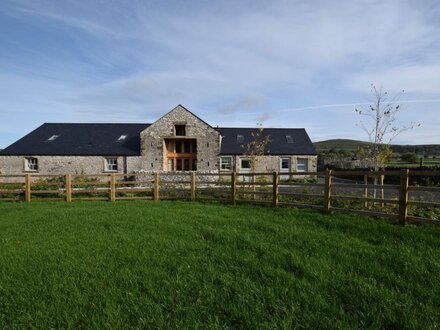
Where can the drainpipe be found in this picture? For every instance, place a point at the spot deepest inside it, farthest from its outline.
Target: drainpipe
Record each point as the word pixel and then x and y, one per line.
pixel 125 164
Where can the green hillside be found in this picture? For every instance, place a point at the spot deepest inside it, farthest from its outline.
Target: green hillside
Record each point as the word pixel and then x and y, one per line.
pixel 339 144
pixel 427 150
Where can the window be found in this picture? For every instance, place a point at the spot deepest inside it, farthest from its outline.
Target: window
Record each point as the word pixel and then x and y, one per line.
pixel 289 138
pixel 111 164
pixel 302 165
pixel 179 166
pixel 53 138
pixel 187 147
pixel 31 164
pixel 285 164
pixel 181 155
pixel 225 163
pixel 170 146
pixel 178 147
pixel 240 138
pixel 245 164
pixel 180 130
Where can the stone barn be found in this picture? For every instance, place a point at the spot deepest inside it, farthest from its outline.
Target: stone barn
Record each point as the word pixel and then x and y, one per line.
pixel 178 141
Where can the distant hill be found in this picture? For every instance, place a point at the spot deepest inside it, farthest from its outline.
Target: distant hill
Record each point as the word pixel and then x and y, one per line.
pixel 353 145
pixel 339 144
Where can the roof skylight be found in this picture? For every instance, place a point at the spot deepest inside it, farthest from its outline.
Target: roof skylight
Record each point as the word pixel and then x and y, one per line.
pixel 122 137
pixel 240 138
pixel 53 138
pixel 289 138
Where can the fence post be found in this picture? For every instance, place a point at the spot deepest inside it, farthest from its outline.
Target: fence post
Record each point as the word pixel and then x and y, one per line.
pixel 112 187
pixel 253 186
pixel 193 186
pixel 275 179
pixel 403 198
pixel 27 194
pixel 156 186
pixel 68 188
pixel 365 190
pixel 382 193
pixel 327 191
pixel 233 187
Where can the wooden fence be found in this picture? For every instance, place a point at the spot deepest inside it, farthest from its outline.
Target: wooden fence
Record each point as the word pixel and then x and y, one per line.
pixel 339 191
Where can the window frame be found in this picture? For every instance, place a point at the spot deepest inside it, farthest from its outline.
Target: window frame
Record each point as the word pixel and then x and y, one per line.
pixel 289 139
pixel 245 169
pixel 306 165
pixel 122 138
pixel 107 164
pixel 182 153
pixel 27 164
pixel 53 137
pixel 222 158
pixel 289 165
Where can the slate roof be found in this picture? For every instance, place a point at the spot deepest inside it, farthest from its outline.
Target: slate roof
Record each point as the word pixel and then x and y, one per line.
pixel 102 140
pixel 278 145
pixel 79 140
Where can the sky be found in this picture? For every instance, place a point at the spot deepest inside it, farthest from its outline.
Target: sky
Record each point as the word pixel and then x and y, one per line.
pixel 233 63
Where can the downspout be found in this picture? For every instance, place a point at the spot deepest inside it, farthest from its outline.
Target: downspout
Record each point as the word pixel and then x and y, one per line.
pixel 125 164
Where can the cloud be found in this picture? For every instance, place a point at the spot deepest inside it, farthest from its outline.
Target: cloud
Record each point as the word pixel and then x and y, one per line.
pixel 289 63
pixel 247 102
pixel 424 79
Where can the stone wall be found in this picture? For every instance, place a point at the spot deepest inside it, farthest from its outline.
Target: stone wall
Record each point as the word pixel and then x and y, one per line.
pixel 272 163
pixel 152 140
pixel 66 164
pixel 132 164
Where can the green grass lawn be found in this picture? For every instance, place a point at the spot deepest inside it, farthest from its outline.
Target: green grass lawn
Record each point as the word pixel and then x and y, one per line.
pixel 191 265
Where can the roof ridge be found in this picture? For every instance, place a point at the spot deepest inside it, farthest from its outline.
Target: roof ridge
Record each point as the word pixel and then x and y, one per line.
pixel 48 123
pixel 264 128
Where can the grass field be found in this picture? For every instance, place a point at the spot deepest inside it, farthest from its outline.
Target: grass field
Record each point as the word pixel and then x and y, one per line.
pixel 191 265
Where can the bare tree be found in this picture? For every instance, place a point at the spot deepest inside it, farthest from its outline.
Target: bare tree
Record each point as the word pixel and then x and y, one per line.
pixel 379 121
pixel 256 147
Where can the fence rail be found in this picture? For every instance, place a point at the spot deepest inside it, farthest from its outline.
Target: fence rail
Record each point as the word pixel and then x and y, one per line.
pixel 359 192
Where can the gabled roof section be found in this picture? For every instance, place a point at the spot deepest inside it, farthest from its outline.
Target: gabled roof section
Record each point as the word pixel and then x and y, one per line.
pixel 278 145
pixel 79 140
pixel 183 108
pixel 193 115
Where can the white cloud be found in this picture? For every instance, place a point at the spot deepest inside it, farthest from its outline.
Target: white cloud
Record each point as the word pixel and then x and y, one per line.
pixel 247 102
pixel 135 60
pixel 423 79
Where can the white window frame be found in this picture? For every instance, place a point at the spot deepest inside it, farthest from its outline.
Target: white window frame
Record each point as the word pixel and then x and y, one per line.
pixel 31 164
pixel 111 164
pixel 228 162
pixel 298 169
pixel 245 169
pixel 289 164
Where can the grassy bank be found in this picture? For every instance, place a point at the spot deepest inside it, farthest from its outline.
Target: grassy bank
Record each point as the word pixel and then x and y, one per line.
pixel 177 264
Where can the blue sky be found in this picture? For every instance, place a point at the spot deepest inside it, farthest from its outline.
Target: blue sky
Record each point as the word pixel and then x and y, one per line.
pixel 234 63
